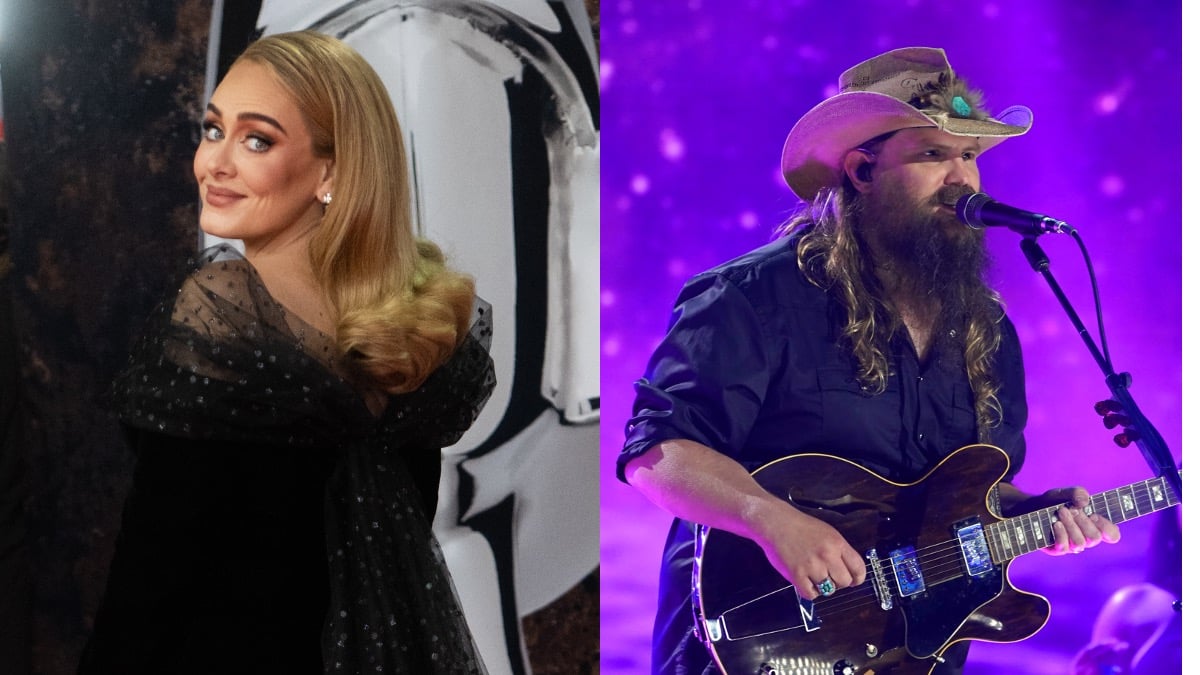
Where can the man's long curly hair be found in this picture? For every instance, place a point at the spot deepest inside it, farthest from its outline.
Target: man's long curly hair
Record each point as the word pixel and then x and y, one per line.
pixel 831 255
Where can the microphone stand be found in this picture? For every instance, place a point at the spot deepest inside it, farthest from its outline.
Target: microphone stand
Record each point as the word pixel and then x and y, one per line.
pixel 1148 440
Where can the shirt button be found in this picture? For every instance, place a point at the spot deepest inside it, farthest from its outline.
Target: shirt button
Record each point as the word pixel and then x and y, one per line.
pixel 920 437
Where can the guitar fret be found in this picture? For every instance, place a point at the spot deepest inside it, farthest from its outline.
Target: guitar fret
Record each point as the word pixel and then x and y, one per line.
pixel 1005 542
pixel 1128 503
pixel 1036 523
pixel 1019 531
pixel 1158 496
pixel 1103 504
pixel 1023 534
pixel 1141 499
pixel 1134 500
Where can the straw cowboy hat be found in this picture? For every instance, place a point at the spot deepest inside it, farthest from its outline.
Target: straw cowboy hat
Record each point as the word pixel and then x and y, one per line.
pixel 903 88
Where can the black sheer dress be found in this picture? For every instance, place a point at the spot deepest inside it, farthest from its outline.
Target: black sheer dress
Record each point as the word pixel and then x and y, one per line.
pixel 274 524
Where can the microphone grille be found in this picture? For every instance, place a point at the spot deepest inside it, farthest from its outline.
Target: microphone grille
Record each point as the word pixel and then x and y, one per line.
pixel 970 208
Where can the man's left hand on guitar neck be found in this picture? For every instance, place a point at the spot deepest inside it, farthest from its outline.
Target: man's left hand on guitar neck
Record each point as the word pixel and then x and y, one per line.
pixel 1075 529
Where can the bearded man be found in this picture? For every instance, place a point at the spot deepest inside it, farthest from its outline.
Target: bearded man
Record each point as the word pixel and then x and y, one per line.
pixel 865 332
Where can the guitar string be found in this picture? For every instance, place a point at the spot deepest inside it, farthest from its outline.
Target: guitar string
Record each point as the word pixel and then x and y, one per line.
pixel 855 596
pixel 933 563
pixel 939 562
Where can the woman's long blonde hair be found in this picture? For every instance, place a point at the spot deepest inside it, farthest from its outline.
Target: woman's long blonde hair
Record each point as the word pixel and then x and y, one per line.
pixel 400 312
pixel 830 255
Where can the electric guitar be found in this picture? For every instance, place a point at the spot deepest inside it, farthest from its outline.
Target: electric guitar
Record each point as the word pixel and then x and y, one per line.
pixel 937 569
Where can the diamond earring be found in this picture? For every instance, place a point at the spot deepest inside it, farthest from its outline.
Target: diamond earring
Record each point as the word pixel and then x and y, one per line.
pixel 327 198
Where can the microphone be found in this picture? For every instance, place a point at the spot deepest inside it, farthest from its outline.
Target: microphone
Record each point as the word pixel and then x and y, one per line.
pixel 979 211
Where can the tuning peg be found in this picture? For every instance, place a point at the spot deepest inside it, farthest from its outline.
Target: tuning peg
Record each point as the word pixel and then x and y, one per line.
pixel 1107 406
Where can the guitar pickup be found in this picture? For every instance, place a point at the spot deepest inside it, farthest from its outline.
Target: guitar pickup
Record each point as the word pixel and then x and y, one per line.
pixel 973 543
pixel 909 578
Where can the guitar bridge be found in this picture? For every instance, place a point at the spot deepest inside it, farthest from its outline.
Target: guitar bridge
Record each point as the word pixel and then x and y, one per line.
pixel 883 592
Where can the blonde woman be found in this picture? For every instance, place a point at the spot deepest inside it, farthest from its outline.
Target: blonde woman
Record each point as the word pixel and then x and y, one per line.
pixel 288 405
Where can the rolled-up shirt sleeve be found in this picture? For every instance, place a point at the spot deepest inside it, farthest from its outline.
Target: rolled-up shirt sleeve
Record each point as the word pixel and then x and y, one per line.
pixel 708 377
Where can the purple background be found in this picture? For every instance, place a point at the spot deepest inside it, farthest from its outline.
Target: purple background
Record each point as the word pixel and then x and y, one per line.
pixel 697 99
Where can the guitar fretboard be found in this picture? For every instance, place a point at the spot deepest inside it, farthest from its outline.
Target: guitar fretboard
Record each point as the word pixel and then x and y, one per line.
pixel 1016 536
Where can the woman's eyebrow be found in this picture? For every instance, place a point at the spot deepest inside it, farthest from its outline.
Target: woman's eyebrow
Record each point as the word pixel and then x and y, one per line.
pixel 252 116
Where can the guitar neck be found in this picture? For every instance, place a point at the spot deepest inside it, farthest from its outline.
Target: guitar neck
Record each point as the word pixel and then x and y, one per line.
pixel 1023 534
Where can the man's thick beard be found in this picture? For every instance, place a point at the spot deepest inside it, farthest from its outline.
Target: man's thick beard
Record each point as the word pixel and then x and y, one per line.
pixel 934 263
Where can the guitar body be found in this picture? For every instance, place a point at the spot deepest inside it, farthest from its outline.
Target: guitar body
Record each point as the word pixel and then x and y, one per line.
pixel 931 579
